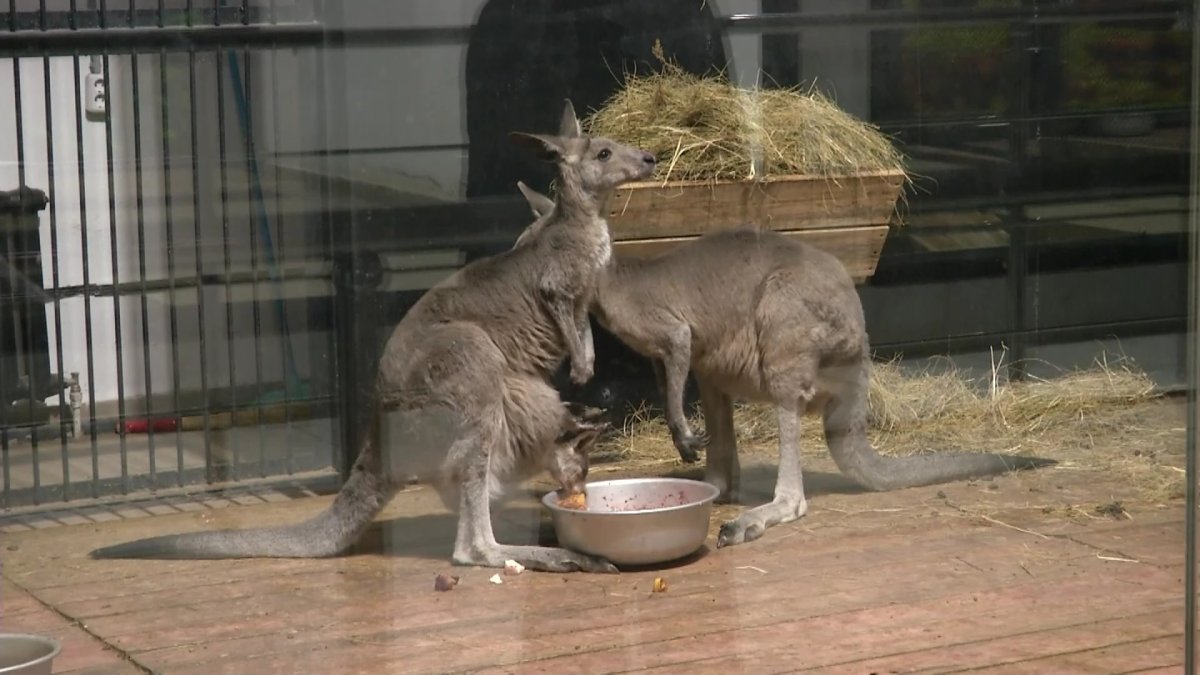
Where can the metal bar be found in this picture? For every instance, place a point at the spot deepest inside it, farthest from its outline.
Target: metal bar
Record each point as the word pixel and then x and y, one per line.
pixel 142 17
pixel 139 204
pixel 123 446
pixel 896 19
pixel 281 249
pixel 253 189
pixel 316 479
pixel 1020 68
pixel 199 258
pixel 224 181
pixel 344 456
pixel 1192 462
pixel 219 33
pixel 895 126
pixel 153 285
pixel 87 301
pixel 54 278
pixel 1037 337
pixel 4 404
pixel 192 37
pixel 169 223
pixel 254 196
pixel 380 149
pixel 23 322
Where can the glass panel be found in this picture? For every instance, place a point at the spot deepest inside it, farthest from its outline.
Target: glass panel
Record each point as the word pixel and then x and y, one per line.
pixel 266 264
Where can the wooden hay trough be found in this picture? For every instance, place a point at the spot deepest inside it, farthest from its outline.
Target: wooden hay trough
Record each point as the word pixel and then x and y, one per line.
pixel 847 216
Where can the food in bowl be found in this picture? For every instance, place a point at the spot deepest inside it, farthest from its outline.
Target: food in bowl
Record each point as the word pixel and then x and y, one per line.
pixel 577 501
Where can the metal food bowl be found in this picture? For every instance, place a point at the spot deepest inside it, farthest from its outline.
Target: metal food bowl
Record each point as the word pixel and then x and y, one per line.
pixel 27 654
pixel 636 521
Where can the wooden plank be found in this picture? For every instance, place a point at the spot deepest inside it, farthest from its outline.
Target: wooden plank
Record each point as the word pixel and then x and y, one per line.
pixel 1164 670
pixel 683 208
pixel 833 587
pixel 765 640
pixel 857 248
pixel 358 596
pixel 15 602
pixel 1151 543
pixel 792 626
pixel 1034 645
pixel 479 616
pixel 79 650
pixel 1125 657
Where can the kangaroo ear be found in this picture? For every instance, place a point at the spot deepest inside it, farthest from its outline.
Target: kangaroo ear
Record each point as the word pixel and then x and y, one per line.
pixel 539 203
pixel 569 126
pixel 547 148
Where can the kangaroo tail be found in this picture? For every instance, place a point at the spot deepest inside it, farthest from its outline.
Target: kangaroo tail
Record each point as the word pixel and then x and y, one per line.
pixel 361 498
pixel 846 419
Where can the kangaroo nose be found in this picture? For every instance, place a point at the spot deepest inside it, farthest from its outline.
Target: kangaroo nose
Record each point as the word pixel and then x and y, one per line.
pixel 648 158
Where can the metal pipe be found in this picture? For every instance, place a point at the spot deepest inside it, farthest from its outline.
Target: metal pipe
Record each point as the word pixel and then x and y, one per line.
pixel 169 224
pixel 87 301
pixel 199 241
pixel 223 175
pixel 114 261
pixel 139 201
pixel 54 276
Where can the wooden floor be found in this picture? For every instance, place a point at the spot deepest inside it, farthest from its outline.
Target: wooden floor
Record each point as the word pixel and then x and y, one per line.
pixel 1015 575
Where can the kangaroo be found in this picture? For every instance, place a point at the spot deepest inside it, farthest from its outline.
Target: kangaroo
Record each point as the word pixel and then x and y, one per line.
pixel 756 315
pixel 464 383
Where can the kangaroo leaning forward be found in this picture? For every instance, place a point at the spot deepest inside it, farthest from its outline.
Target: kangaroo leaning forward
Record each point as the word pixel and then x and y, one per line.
pixel 466 374
pixel 756 315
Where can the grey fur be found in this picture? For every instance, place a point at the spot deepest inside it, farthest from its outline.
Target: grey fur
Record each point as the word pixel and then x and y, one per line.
pixel 463 391
pixel 756 315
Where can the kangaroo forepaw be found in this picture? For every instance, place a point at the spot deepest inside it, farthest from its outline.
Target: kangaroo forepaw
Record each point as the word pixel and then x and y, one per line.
pixel 585 413
pixel 597 427
pixel 581 374
pixel 690 445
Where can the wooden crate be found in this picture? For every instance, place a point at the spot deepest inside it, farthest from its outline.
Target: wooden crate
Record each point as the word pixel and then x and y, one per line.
pixel 847 216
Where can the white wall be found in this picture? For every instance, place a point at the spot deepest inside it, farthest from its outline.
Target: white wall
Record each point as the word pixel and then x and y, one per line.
pixel 71 225
pixel 70 204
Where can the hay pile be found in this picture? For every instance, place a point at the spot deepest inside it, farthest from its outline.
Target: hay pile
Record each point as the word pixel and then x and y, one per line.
pixel 1103 419
pixel 705 128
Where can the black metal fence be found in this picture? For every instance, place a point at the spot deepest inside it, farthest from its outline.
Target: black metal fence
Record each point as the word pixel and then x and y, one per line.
pixel 190 333
pixel 200 296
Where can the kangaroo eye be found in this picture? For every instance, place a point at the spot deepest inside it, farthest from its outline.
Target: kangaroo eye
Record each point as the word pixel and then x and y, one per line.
pixel 604 154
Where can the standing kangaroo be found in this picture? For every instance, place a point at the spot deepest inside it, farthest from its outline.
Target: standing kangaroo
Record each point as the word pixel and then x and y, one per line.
pixel 756 315
pixel 465 373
